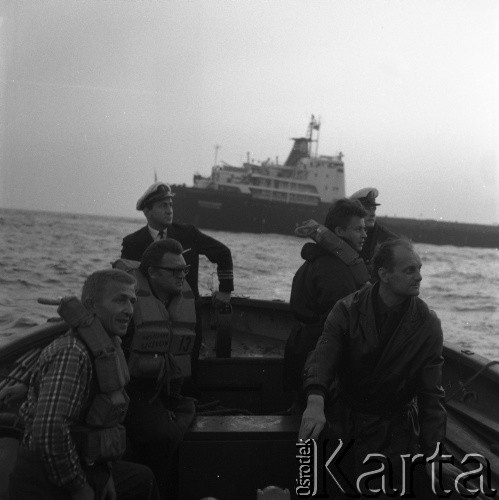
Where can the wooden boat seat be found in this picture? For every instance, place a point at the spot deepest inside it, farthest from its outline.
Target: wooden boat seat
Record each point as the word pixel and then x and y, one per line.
pixel 245 426
pixel 273 493
pixel 234 456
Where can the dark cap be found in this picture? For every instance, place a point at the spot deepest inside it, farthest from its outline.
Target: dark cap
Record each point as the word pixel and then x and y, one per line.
pixel 367 196
pixel 156 192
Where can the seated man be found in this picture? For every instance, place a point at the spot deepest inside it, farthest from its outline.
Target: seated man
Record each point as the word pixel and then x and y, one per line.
pixel 328 274
pixel 384 345
pixel 157 205
pixel 158 345
pixel 76 401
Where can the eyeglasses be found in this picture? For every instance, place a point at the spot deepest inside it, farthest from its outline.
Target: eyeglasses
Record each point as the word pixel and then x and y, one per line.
pixel 176 271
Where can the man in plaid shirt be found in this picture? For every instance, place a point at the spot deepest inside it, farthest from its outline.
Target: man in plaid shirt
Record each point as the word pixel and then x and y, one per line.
pixel 63 385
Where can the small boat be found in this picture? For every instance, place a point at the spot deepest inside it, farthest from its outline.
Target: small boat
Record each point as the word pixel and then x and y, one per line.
pixel 244 440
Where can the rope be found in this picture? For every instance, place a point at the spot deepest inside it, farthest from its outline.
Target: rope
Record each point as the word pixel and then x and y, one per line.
pixel 473 377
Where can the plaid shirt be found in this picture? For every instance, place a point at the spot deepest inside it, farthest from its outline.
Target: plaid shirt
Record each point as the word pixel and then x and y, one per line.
pixel 58 397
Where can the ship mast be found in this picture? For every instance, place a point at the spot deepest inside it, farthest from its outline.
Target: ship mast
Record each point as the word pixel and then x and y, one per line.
pixel 313 125
pixel 217 147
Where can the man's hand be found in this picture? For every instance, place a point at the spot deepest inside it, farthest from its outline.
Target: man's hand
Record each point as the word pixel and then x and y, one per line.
pixel 84 493
pixel 313 419
pixel 449 473
pixel 221 298
pixel 109 491
pixel 13 392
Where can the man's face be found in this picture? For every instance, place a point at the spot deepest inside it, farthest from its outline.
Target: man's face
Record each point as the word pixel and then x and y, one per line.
pixel 405 277
pixel 115 308
pixel 168 276
pixel 160 214
pixel 354 233
pixel 370 217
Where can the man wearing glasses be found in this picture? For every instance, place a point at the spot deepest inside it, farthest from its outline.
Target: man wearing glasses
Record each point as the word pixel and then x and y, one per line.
pixel 158 347
pixel 157 205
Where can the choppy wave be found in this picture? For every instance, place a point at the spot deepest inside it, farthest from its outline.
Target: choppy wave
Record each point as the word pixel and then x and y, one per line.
pixel 49 255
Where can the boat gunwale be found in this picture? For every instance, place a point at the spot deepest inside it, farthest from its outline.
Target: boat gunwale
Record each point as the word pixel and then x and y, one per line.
pixel 472 361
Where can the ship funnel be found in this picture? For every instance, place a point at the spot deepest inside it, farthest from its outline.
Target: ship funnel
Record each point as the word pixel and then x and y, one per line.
pixel 300 150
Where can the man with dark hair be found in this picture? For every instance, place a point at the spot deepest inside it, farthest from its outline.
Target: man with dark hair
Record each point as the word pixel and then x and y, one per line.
pixel 157 205
pixel 376 233
pixel 327 275
pixel 158 346
pixel 76 401
pixel 384 345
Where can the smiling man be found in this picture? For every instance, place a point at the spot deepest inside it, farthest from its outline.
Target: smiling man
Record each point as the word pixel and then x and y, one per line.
pixel 384 345
pixel 76 402
pixel 326 276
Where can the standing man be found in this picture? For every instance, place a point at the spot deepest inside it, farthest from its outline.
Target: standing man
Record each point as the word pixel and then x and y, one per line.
pixel 326 276
pixel 76 402
pixel 376 233
pixel 157 205
pixel 158 345
pixel 384 345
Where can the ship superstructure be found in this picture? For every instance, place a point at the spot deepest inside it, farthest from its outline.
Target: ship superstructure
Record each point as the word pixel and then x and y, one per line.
pixel 303 179
pixel 271 197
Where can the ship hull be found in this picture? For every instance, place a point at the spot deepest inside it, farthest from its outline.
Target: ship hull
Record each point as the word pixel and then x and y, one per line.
pixel 226 211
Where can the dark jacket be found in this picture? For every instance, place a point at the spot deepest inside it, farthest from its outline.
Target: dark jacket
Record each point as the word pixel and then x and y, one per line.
pixel 375 236
pixel 382 382
pixel 319 283
pixel 195 243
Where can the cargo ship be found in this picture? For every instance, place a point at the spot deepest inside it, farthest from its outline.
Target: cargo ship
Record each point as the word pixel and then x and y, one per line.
pixel 273 197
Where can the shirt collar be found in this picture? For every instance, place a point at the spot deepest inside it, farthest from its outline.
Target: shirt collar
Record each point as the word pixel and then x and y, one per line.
pixel 154 232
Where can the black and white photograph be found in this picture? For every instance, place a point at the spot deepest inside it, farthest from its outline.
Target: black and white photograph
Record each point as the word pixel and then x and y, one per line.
pixel 249 249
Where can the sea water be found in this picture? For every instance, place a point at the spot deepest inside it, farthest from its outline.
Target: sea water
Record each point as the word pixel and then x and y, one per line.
pixel 50 254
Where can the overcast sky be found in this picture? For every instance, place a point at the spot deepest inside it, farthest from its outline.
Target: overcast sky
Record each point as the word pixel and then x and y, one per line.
pixel 97 95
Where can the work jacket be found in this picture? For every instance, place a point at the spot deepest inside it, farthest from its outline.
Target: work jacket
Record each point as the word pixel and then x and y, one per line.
pixel 322 280
pixel 395 390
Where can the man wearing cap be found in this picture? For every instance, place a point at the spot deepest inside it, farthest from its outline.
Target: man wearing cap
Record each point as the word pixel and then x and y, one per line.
pixel 157 205
pixel 376 233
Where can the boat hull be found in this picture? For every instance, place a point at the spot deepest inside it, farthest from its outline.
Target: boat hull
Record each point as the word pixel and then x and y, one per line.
pixel 252 437
pixel 236 212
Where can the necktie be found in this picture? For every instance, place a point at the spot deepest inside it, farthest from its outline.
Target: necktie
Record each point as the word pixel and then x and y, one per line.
pixel 161 235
